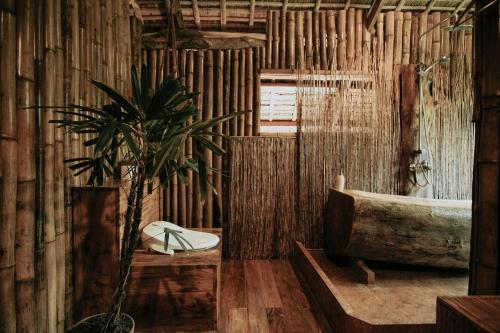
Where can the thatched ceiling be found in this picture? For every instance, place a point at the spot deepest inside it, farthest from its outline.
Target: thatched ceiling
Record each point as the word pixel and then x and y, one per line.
pixel 250 15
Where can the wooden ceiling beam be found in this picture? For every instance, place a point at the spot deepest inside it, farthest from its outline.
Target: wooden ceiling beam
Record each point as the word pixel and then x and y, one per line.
pixel 252 13
pixel 375 9
pixel 196 14
pixel 223 20
pixel 459 6
pixel 430 6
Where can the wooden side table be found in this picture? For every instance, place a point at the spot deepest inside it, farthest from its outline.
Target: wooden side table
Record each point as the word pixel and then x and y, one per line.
pixel 468 314
pixel 175 293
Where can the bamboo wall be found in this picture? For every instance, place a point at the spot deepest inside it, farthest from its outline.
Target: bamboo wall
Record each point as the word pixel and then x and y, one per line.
pixel 49 51
pixel 227 81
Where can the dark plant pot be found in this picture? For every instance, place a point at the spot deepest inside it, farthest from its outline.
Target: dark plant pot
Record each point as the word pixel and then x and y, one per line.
pixel 93 324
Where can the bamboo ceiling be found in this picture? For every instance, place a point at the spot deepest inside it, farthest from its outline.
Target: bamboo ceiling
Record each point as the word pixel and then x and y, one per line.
pixel 250 15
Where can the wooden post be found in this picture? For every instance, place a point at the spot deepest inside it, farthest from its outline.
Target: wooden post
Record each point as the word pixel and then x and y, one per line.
pixel 332 38
pixel 323 40
pixel 283 38
pixel 436 37
pixel 189 145
pixel 256 93
pixel 367 55
pixel 358 46
pixel 406 39
pixel 8 165
pixel 249 91
pixel 235 69
pixel 242 92
pixel 351 20
pixel 389 47
pixel 269 38
pixel 398 37
pixel 290 40
pixel 414 38
pixel 198 87
pixel 227 89
pixel 218 111
pixel 316 40
pixel 276 40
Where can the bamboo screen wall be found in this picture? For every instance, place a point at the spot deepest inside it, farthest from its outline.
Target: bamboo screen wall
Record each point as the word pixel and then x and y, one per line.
pixel 228 81
pixel 48 52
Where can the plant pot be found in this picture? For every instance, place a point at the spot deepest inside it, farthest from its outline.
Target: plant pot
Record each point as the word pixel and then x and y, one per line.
pixel 93 324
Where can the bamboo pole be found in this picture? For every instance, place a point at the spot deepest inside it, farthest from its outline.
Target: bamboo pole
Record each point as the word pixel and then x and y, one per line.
pixel 436 37
pixel 227 89
pixel 249 91
pixel 351 20
pixel 316 40
pixel 256 92
pixel 445 37
pixel 208 112
pixel 290 40
pixel 235 69
pixel 181 186
pixel 174 195
pixel 323 40
pixel 414 49
pixel 40 275
pixel 380 39
pixel 276 40
pixel 160 63
pixel 269 38
pixel 242 92
pixel 8 168
pixel 366 48
pixel 309 40
pixel 406 38
pixel 283 38
pixel 189 146
pixel 299 39
pixel 219 111
pixel 341 38
pixel 421 43
pixel 332 38
pixel 398 37
pixel 389 47
pixel 26 170
pixel 152 67
pixel 198 87
pixel 358 46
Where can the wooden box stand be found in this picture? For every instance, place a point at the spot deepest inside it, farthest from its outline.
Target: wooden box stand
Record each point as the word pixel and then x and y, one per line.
pixel 175 293
pixel 468 314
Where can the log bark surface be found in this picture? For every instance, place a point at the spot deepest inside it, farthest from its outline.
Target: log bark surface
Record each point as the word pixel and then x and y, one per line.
pixel 398 229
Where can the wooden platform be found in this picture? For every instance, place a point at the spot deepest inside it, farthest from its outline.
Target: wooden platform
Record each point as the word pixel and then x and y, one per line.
pixel 175 293
pixel 468 314
pixel 402 299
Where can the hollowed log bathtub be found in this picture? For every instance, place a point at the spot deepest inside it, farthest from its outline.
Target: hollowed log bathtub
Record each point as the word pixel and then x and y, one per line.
pixel 398 229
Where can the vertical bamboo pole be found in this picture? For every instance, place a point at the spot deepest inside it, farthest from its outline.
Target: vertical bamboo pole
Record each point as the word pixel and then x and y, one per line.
pixel 276 40
pixel 256 92
pixel 428 46
pixel 189 146
pixel 406 39
pixel 269 38
pixel 249 91
pixel 283 38
pixel 380 39
pixel 219 111
pixel 332 38
pixel 235 69
pixel 174 195
pixel 160 61
pixel 198 87
pixel 367 60
pixel 49 99
pixel 299 39
pixel 208 112
pixel 40 274
pixel 351 20
pixel 309 40
pixel 445 37
pixel 341 39
pixel 152 67
pixel 181 187
pixel 436 37
pixel 316 40
pixel 389 46
pixel 26 169
pixel 242 92
pixel 8 165
pixel 323 40
pixel 358 46
pixel 421 43
pixel 398 37
pixel 290 40
pixel 415 28
pixel 227 89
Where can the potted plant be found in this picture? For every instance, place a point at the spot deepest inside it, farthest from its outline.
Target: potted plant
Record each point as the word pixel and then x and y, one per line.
pixel 149 134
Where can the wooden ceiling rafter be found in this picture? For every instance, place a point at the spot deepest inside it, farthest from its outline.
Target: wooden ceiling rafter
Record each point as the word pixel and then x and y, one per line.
pixel 430 6
pixel 400 5
pixel 196 14
pixel 459 6
pixel 375 9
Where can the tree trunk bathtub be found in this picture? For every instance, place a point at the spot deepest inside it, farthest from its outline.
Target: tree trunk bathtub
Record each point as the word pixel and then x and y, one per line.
pixel 398 229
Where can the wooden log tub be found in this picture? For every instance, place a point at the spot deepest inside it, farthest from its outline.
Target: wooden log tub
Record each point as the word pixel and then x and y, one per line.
pixel 398 229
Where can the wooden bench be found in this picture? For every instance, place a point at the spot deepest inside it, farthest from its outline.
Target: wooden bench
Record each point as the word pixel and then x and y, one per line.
pixel 175 293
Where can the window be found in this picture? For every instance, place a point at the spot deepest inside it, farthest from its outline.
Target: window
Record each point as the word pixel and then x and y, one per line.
pixel 278 108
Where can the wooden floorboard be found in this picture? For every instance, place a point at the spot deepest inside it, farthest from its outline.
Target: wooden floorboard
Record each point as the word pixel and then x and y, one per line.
pixel 263 296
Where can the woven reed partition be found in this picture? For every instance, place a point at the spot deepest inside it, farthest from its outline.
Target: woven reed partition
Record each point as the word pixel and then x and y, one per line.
pixel 228 81
pixel 261 188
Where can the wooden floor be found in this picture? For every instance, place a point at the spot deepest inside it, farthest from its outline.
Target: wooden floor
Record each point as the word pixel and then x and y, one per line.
pixel 263 296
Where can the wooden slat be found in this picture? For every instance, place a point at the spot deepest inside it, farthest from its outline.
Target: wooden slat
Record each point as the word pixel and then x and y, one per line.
pixel 375 9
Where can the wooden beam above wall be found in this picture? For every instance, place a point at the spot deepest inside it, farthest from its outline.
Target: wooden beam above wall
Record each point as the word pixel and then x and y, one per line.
pixel 430 6
pixel 400 5
pixel 375 9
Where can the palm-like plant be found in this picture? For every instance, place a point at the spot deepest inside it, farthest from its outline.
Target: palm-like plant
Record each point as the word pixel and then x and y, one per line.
pixel 149 134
